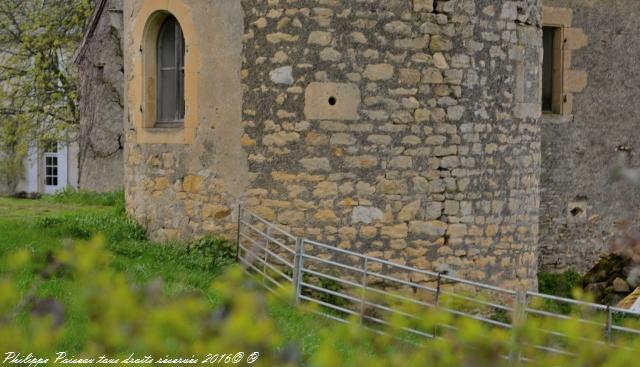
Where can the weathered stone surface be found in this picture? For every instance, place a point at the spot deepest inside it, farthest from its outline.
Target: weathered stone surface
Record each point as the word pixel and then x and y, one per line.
pixel 366 215
pixel 283 75
pixel 431 229
pixel 316 164
pixel 320 38
pixel 395 231
pixel 379 72
pixel 409 211
pixel 569 138
pixel 430 159
pixel 620 286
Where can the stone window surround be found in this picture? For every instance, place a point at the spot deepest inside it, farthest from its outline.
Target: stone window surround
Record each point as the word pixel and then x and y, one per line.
pixel 142 94
pixel 573 81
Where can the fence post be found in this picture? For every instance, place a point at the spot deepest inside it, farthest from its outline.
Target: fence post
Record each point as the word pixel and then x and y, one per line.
pixel 437 301
pixel 438 284
pixel 518 317
pixel 297 269
pixel 607 331
pixel 266 253
pixel 363 292
pixel 238 233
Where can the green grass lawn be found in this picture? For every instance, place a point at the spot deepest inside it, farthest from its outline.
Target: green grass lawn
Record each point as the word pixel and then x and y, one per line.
pixel 52 222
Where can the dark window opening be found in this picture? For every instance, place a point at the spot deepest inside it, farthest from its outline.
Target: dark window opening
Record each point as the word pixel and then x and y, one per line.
pixel 552 70
pixel 171 52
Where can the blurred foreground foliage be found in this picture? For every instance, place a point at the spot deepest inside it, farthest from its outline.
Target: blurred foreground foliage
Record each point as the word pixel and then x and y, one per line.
pixel 124 317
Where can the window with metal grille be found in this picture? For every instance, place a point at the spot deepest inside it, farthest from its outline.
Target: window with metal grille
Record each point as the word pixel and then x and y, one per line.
pixel 170 93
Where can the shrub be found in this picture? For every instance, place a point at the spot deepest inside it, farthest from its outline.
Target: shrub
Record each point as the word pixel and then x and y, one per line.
pixel 123 318
pixel 561 285
pixel 211 252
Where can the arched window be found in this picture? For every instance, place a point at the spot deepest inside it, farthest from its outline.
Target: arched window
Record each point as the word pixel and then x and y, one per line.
pixel 170 63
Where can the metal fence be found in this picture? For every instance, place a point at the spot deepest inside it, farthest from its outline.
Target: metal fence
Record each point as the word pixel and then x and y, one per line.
pixel 345 284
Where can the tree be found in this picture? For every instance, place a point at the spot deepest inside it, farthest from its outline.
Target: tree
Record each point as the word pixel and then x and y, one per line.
pixel 38 101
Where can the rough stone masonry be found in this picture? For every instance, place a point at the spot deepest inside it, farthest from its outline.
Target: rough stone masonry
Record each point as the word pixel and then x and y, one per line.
pixel 405 130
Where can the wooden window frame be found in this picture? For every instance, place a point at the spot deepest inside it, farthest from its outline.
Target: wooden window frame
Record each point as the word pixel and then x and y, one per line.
pixel 141 83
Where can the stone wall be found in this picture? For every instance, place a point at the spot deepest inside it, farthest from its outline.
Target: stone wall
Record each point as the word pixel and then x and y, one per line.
pixel 182 184
pixel 582 196
pixel 100 66
pixel 406 130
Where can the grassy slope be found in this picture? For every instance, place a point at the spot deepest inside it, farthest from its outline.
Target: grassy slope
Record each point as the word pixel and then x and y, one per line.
pixel 46 224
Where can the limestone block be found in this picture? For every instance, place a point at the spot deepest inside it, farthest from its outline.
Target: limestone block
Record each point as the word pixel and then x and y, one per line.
pixel 325 189
pixel 316 164
pixel 395 231
pixel 320 38
pixel 423 5
pixel 332 101
pixel 366 215
pixel 457 230
pixel 192 184
pixel 283 75
pixel 439 61
pixel 576 38
pixel 215 211
pixel 363 161
pixel 386 186
pixel 430 229
pixel 409 211
pixel 325 215
pixel 397 27
pixel 379 72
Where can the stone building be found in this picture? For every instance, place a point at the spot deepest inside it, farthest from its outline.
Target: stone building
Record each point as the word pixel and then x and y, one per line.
pixel 592 134
pixel 100 65
pixel 407 130
pixel 410 130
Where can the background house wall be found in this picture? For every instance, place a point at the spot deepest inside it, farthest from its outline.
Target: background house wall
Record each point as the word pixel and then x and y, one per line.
pixel 582 196
pixel 34 167
pixel 101 71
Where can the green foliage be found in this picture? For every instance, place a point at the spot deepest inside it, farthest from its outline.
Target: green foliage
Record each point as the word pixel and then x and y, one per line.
pixel 116 295
pixel 123 318
pixel 38 98
pixel 210 252
pixel 85 197
pixel 114 227
pixel 328 284
pixel 559 284
pixel 13 149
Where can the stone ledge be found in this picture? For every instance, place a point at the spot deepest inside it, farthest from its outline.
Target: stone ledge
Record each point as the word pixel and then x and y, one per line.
pixel 553 118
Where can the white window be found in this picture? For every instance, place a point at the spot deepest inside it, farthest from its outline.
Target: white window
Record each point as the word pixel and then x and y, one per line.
pixel 51 165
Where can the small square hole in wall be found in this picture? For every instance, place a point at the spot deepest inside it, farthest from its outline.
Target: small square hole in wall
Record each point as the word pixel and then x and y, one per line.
pixel 577 212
